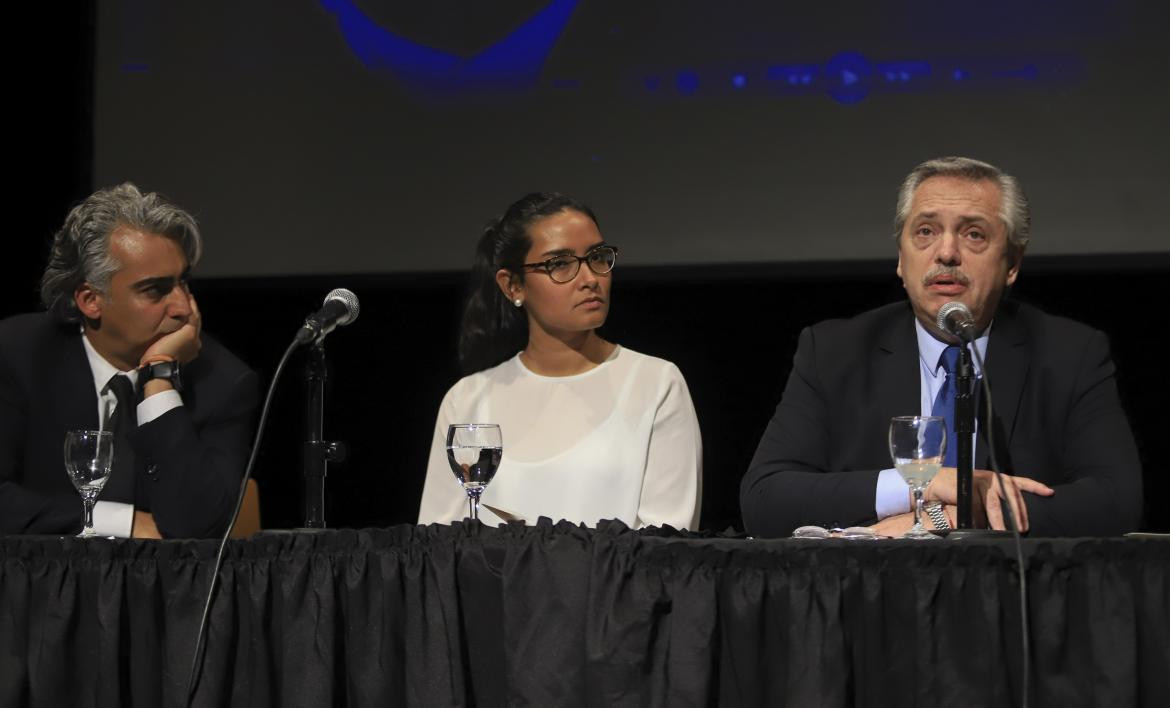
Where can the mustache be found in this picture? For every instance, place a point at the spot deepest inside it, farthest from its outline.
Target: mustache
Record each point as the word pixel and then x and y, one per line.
pixel 949 271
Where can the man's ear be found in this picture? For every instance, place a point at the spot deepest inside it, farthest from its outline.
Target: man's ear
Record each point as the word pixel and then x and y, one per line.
pixel 89 301
pixel 1016 259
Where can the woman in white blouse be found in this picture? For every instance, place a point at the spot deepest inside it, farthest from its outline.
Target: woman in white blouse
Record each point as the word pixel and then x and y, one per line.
pixel 591 430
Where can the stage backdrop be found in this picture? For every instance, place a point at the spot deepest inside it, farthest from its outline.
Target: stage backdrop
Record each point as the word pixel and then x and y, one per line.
pixel 377 136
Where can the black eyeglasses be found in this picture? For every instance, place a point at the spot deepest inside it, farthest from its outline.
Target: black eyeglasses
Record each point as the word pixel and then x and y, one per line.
pixel 563 269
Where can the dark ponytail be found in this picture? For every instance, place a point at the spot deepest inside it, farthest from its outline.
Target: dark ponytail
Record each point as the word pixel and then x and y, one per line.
pixel 494 329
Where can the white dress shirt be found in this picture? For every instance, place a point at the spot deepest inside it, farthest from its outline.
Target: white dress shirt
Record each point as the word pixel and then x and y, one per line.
pixel 116 518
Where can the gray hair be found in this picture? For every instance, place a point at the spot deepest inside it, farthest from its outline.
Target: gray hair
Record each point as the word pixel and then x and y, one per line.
pixel 1013 207
pixel 81 248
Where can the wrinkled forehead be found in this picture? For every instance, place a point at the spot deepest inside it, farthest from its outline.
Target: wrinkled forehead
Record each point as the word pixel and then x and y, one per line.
pixel 958 198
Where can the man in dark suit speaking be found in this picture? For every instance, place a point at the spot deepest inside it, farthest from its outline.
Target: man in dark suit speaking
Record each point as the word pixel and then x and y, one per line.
pixel 1059 431
pixel 121 348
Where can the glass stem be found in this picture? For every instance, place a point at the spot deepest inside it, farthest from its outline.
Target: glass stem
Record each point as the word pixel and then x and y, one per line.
pixel 918 506
pixel 87 502
pixel 473 502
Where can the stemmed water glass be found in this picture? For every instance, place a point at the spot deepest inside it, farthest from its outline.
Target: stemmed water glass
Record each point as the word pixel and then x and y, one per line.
pixel 474 451
pixel 917 444
pixel 89 458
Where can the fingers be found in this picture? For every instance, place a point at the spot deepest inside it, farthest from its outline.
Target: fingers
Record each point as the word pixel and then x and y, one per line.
pixel 183 344
pixel 992 507
pixel 994 500
pixel 986 488
pixel 1031 485
pixel 1019 509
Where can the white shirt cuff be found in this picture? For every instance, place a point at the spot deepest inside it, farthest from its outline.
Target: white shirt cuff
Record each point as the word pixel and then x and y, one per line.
pixel 154 406
pixel 113 519
pixel 893 494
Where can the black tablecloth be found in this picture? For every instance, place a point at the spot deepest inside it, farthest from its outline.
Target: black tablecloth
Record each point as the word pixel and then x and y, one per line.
pixel 557 615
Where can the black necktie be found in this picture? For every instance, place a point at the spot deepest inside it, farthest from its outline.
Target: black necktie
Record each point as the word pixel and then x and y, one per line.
pixel 120 488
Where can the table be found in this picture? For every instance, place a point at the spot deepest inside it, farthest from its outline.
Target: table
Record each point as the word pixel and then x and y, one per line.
pixel 559 615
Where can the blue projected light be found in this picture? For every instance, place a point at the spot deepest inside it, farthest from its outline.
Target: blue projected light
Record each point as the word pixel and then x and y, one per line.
pixel 512 63
pixel 793 75
pixel 848 74
pixel 903 72
pixel 515 62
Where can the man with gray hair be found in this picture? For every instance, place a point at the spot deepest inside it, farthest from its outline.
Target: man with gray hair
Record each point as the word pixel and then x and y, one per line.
pixel 121 348
pixel 1071 466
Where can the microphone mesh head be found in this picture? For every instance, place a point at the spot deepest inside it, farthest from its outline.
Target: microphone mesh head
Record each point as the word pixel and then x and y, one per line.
pixel 945 311
pixel 347 298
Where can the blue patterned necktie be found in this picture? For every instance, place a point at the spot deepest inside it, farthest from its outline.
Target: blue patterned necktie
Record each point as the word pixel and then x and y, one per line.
pixel 944 402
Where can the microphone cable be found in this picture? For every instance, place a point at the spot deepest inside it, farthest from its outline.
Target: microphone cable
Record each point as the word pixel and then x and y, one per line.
pixel 1010 517
pixel 200 646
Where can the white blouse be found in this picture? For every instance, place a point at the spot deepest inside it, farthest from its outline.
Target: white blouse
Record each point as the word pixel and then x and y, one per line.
pixel 620 441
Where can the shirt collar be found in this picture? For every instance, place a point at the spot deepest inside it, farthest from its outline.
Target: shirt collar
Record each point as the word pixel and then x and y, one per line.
pixel 103 370
pixel 930 350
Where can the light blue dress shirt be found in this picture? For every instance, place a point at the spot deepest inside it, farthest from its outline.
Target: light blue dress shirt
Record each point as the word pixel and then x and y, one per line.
pixel 893 495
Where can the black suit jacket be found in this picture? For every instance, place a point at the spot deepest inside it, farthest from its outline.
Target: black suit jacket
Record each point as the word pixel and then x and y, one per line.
pixel 1058 420
pixel 188 461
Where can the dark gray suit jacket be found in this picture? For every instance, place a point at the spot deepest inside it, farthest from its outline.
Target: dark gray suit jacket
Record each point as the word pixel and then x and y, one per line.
pixel 188 461
pixel 1058 420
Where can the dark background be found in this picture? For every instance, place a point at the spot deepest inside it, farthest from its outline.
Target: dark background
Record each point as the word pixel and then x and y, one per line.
pixel 730 328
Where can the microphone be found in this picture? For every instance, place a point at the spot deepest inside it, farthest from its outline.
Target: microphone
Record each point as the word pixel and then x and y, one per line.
pixel 340 308
pixel 955 319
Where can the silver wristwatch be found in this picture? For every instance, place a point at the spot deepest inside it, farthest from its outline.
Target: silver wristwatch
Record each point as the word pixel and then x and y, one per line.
pixel 935 511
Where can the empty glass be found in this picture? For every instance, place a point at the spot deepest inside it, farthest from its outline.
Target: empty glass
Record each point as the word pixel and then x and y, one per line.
pixel 89 458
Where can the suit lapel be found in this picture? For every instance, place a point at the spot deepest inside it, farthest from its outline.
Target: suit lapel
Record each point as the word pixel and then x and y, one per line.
pixel 896 370
pixel 1007 369
pixel 71 387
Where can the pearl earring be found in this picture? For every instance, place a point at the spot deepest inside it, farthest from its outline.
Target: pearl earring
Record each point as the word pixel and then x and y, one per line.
pixel 517 302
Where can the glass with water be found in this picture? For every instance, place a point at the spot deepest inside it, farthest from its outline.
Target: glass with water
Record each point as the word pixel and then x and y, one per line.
pixel 474 451
pixel 917 444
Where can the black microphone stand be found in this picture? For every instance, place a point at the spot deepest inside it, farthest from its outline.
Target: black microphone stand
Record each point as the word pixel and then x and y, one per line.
pixel 318 452
pixel 965 453
pixel 964 430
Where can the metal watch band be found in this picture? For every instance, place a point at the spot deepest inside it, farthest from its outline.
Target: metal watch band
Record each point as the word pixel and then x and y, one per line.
pixel 935 511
